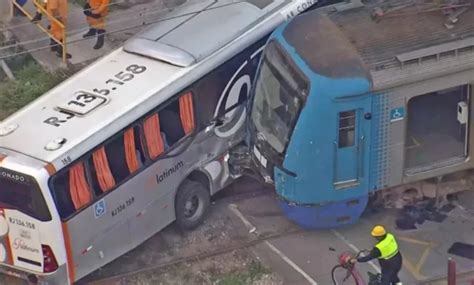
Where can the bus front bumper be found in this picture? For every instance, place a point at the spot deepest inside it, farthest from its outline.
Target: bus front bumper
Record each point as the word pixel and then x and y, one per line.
pixel 59 277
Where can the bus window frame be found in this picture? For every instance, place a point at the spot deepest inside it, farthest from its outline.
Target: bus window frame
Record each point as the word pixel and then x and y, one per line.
pixel 147 163
pixel 177 144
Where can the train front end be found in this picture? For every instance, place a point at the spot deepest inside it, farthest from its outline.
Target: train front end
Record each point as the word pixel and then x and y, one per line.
pixel 309 123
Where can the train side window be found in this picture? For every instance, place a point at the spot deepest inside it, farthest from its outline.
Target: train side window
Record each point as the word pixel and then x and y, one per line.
pixel 347 121
pixel 71 190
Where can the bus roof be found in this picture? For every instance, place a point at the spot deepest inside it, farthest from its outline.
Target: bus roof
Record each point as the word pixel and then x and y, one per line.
pixel 390 44
pixel 166 42
pixel 46 122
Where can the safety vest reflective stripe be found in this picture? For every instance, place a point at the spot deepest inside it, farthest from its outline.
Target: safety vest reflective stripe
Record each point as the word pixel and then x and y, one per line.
pixel 388 247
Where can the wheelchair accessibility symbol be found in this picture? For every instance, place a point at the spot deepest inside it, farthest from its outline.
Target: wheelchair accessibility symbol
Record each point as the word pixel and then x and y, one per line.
pixel 99 208
pixel 397 114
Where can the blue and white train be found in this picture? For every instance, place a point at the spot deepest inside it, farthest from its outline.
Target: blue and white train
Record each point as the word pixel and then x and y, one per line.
pixel 131 143
pixel 345 108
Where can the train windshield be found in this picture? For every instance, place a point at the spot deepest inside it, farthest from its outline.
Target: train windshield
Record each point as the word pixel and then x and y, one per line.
pixel 279 94
pixel 21 192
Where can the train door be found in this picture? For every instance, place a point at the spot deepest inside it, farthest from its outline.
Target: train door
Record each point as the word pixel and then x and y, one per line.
pixel 437 129
pixel 350 144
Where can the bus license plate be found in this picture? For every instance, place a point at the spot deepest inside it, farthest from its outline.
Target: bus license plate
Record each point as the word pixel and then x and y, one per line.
pixel 82 103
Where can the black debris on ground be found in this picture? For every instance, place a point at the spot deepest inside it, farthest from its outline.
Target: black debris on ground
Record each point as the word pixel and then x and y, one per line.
pixel 424 210
pixel 405 223
pixel 462 249
pixel 447 208
pixel 435 216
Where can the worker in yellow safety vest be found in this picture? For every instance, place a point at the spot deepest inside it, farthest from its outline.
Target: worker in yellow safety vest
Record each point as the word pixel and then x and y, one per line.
pixel 388 254
pixel 96 11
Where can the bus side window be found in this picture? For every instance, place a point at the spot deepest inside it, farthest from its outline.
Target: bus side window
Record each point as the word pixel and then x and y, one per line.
pixel 177 119
pixel 71 190
pixel 102 178
pixel 170 123
pixel 133 151
pixel 186 112
pixel 154 140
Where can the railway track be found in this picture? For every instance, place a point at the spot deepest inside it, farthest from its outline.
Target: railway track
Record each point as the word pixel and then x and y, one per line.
pixel 236 192
pixel 191 258
pixel 239 190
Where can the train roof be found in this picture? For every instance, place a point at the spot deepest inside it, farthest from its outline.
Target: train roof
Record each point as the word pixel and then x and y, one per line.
pixel 393 46
pixel 175 52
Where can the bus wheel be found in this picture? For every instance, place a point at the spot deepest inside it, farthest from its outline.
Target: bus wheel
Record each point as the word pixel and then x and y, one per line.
pixel 192 203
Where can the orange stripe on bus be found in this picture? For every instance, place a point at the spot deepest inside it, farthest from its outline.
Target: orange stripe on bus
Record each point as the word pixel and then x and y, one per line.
pixel 50 169
pixel 9 251
pixel 2 157
pixel 70 261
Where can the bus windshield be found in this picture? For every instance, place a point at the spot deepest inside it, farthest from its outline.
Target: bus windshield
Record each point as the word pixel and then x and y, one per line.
pixel 21 192
pixel 279 94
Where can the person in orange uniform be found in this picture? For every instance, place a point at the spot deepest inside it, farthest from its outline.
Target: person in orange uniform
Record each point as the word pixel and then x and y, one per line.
pixel 57 9
pixel 38 16
pixel 96 11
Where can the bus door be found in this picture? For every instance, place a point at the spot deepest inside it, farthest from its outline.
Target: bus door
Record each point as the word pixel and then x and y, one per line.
pixel 350 145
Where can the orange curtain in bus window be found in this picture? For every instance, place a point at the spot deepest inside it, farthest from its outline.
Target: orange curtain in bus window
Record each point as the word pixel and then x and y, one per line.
pixel 78 186
pixel 130 150
pixel 102 170
pixel 186 112
pixel 154 141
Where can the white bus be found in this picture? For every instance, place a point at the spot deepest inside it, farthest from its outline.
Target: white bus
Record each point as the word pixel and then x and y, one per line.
pixel 131 143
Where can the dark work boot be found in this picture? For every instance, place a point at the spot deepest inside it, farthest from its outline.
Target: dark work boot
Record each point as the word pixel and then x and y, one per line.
pixel 90 33
pixel 59 52
pixel 37 17
pixel 100 39
pixel 54 45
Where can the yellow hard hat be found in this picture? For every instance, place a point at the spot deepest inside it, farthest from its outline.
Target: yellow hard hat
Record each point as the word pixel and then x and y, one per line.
pixel 378 231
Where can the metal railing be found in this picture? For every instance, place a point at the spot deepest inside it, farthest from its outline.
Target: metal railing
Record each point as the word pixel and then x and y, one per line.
pixel 51 19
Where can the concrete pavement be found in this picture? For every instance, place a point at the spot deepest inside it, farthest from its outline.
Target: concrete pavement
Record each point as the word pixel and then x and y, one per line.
pixel 124 21
pixel 315 252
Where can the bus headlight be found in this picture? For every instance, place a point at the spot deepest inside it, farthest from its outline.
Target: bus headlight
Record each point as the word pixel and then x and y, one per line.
pixel 3 226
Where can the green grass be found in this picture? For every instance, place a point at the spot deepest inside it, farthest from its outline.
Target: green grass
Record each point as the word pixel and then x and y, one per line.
pixel 253 272
pixel 31 82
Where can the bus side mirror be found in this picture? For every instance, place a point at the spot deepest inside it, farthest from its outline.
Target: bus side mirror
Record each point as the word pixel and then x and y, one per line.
pixel 368 116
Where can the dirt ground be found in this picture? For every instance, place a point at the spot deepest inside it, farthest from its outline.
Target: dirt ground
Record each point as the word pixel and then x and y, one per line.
pixel 220 231
pixel 238 267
